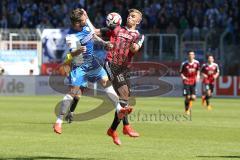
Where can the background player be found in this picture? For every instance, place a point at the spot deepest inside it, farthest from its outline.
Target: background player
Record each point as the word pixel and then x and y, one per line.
pixel 210 72
pixel 189 71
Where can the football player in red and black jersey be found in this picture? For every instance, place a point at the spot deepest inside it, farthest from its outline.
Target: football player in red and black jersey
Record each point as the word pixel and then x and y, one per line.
pixel 209 72
pixel 189 71
pixel 126 42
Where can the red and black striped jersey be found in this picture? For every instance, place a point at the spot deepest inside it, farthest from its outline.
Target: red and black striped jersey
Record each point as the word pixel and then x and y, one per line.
pixel 210 70
pixel 122 39
pixel 190 70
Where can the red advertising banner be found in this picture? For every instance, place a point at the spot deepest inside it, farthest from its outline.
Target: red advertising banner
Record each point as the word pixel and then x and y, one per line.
pixel 238 86
pixel 225 86
pixel 49 68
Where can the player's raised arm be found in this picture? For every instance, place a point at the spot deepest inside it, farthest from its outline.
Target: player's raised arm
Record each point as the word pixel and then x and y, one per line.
pixel 89 23
pixel 107 45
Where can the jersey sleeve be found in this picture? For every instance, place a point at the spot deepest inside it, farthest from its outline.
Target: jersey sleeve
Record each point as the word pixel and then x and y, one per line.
pixel 181 68
pixel 139 41
pixel 202 68
pixel 198 66
pixel 217 69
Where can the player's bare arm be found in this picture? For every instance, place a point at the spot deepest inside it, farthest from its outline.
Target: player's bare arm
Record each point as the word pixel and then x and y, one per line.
pixel 216 75
pixel 106 44
pixel 183 77
pixel 198 76
pixel 204 75
pixel 96 30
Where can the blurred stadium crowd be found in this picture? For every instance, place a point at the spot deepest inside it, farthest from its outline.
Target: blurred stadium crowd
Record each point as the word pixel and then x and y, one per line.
pixel 189 16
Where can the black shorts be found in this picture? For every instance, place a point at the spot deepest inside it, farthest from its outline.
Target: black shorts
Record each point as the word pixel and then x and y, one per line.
pixel 118 75
pixel 189 89
pixel 207 87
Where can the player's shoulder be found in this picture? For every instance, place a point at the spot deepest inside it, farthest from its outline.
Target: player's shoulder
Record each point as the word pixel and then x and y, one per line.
pixel 71 35
pixel 204 64
pixel 72 31
pixel 196 61
pixel 118 28
pixel 135 31
pixel 184 62
pixel 215 64
pixel 87 28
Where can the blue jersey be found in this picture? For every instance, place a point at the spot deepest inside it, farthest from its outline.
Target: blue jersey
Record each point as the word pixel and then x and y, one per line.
pixel 85 67
pixel 75 39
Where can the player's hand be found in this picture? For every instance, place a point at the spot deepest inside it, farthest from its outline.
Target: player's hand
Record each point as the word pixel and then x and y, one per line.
pixel 184 78
pixel 84 12
pixel 215 76
pixel 134 47
pixel 108 46
pixel 82 49
pixel 204 75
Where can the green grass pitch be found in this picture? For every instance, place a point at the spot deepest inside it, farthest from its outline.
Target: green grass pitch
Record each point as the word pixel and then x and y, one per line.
pixel 26 131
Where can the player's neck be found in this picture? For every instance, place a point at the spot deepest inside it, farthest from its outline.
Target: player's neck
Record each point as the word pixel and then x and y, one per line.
pixel 190 60
pixel 133 27
pixel 210 63
pixel 77 28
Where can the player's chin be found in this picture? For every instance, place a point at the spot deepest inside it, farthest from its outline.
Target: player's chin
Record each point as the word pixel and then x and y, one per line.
pixel 130 22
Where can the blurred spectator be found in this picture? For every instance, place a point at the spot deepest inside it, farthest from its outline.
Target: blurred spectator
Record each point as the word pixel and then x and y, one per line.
pixel 171 28
pixel 99 20
pixel 3 22
pixel 31 72
pixel 193 17
pixel 183 23
pixel 162 23
pixel 1 71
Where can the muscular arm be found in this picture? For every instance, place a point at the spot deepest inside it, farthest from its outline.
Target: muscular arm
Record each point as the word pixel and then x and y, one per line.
pixel 98 39
pixel 107 45
pixel 96 30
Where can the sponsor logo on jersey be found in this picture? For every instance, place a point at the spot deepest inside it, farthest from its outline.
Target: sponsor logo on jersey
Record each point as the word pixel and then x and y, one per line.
pixel 124 35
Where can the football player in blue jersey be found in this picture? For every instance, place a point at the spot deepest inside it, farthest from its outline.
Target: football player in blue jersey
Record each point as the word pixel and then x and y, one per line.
pixel 84 67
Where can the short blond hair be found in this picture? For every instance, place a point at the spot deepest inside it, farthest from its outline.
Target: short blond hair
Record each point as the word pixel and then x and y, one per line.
pixel 136 11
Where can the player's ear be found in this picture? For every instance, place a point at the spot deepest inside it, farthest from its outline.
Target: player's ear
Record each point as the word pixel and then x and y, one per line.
pixel 139 20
